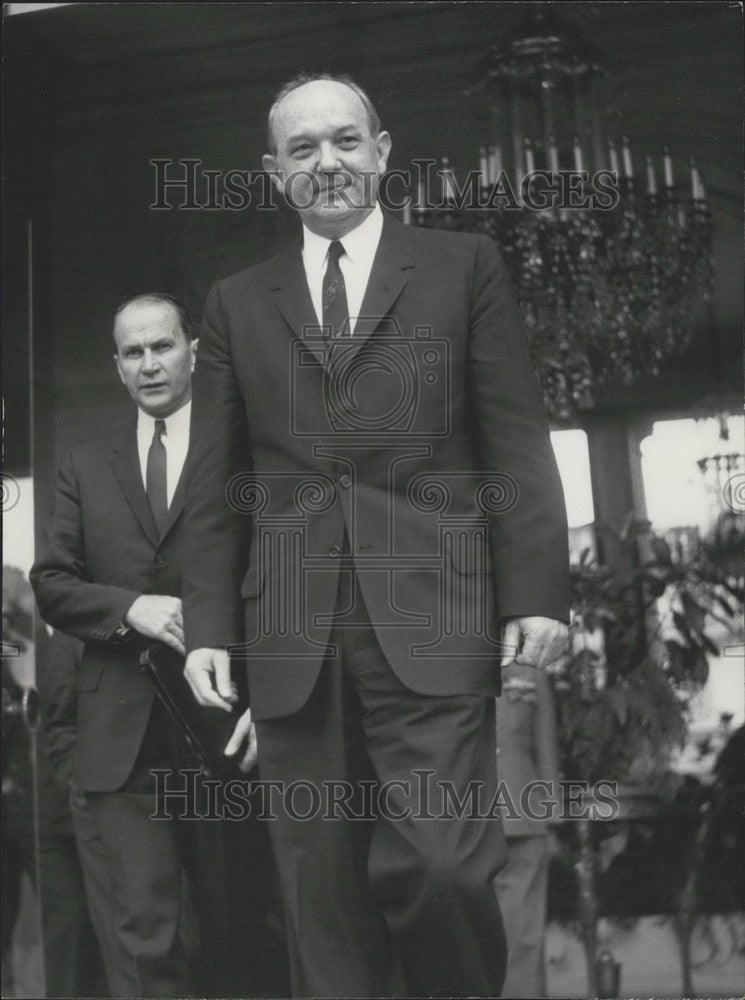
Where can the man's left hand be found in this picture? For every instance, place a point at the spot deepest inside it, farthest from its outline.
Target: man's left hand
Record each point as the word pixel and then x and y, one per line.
pixel 534 641
pixel 245 730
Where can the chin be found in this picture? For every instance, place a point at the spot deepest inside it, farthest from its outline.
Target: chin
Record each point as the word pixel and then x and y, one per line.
pixel 155 409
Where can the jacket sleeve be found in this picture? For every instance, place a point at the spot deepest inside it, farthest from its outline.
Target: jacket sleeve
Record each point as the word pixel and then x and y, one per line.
pixel 217 533
pixel 67 598
pixel 56 682
pixel 527 519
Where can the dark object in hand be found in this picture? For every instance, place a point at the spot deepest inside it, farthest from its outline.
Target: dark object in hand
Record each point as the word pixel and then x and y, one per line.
pixel 205 730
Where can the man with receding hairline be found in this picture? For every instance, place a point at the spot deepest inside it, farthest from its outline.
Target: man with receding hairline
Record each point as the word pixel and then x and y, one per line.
pixel 109 573
pixel 339 388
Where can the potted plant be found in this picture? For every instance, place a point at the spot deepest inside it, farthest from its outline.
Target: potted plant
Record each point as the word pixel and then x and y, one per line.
pixel 641 633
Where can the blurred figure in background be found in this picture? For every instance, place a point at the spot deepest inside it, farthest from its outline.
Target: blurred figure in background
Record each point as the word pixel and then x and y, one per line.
pixel 72 966
pixel 79 875
pixel 527 752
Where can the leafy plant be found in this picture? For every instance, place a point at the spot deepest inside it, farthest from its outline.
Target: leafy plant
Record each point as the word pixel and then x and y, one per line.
pixel 640 635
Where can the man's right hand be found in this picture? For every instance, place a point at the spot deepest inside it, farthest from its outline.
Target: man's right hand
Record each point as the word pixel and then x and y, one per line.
pixel 201 666
pixel 158 617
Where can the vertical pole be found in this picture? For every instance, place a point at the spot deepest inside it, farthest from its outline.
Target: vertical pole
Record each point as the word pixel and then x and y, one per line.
pixel 588 902
pixel 31 725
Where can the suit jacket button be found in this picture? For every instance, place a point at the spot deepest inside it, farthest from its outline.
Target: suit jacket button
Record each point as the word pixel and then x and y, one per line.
pixel 345 481
pixel 335 551
pixel 159 560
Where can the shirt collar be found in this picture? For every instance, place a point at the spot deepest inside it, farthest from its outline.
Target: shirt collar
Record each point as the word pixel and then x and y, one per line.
pixel 358 244
pixel 176 424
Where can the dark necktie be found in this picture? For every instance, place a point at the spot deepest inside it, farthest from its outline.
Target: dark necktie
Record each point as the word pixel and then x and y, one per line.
pixel 335 309
pixel 156 478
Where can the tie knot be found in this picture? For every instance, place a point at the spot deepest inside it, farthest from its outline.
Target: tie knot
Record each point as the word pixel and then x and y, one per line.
pixel 336 249
pixel 160 428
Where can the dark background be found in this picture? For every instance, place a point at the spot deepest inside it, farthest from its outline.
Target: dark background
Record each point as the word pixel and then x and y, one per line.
pixel 93 92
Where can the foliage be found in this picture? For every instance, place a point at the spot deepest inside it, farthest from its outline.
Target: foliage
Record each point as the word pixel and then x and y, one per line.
pixel 640 635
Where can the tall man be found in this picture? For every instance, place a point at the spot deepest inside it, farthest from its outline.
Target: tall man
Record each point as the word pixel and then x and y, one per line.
pixel 374 477
pixel 110 574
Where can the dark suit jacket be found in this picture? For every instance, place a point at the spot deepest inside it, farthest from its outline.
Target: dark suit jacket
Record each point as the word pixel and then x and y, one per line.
pixel 101 552
pixel 393 440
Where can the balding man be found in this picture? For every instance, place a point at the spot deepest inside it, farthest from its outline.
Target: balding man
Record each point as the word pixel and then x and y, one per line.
pixel 110 574
pixel 373 476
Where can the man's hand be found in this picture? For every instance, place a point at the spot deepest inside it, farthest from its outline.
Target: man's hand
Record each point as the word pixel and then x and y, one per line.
pixel 201 666
pixel 244 730
pixel 534 641
pixel 158 617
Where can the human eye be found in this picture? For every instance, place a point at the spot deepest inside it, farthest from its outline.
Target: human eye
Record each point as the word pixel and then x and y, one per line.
pixel 301 149
pixel 349 140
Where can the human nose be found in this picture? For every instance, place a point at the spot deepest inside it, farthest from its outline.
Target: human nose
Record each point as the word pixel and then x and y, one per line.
pixel 150 362
pixel 328 157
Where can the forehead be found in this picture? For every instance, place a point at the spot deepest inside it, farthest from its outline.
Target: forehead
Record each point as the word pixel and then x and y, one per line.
pixel 144 321
pixel 321 104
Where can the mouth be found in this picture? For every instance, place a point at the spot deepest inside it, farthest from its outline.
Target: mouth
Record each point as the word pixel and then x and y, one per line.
pixel 153 387
pixel 338 196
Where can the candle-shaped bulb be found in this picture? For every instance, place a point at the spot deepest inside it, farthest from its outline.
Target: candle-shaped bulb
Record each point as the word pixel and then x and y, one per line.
pixel 651 177
pixel 613 158
pixel 420 199
pixel 529 157
pixel 447 180
pixel 627 165
pixel 695 182
pixel 553 156
pixel 579 163
pixel 667 166
pixel 484 177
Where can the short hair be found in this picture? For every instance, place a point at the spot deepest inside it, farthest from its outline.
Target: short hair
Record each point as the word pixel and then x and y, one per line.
pixel 185 321
pixel 373 119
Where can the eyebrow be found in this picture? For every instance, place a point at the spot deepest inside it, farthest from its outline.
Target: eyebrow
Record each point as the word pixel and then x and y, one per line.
pixel 310 136
pixel 162 341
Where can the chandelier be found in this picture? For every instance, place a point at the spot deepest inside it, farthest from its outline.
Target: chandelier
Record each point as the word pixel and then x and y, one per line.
pixel 610 255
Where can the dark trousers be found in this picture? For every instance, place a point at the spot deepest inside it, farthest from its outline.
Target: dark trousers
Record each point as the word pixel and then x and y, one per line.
pixel 145 865
pixel 72 964
pixel 400 902
pixel 188 906
pixel 99 890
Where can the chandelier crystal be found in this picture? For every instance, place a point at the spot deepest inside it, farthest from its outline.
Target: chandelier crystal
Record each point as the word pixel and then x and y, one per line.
pixel 613 277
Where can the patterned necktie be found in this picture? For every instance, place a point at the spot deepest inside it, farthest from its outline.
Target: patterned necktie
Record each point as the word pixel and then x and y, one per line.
pixel 156 477
pixel 335 309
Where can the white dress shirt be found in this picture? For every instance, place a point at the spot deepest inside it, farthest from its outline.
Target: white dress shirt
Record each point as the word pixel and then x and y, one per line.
pixel 175 439
pixel 360 247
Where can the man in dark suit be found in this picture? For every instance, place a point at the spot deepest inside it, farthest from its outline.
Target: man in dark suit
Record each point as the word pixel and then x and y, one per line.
pixel 373 475
pixel 110 574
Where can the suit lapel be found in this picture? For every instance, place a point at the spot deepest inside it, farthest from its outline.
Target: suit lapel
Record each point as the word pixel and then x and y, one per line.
pixel 388 277
pixel 292 296
pixel 126 466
